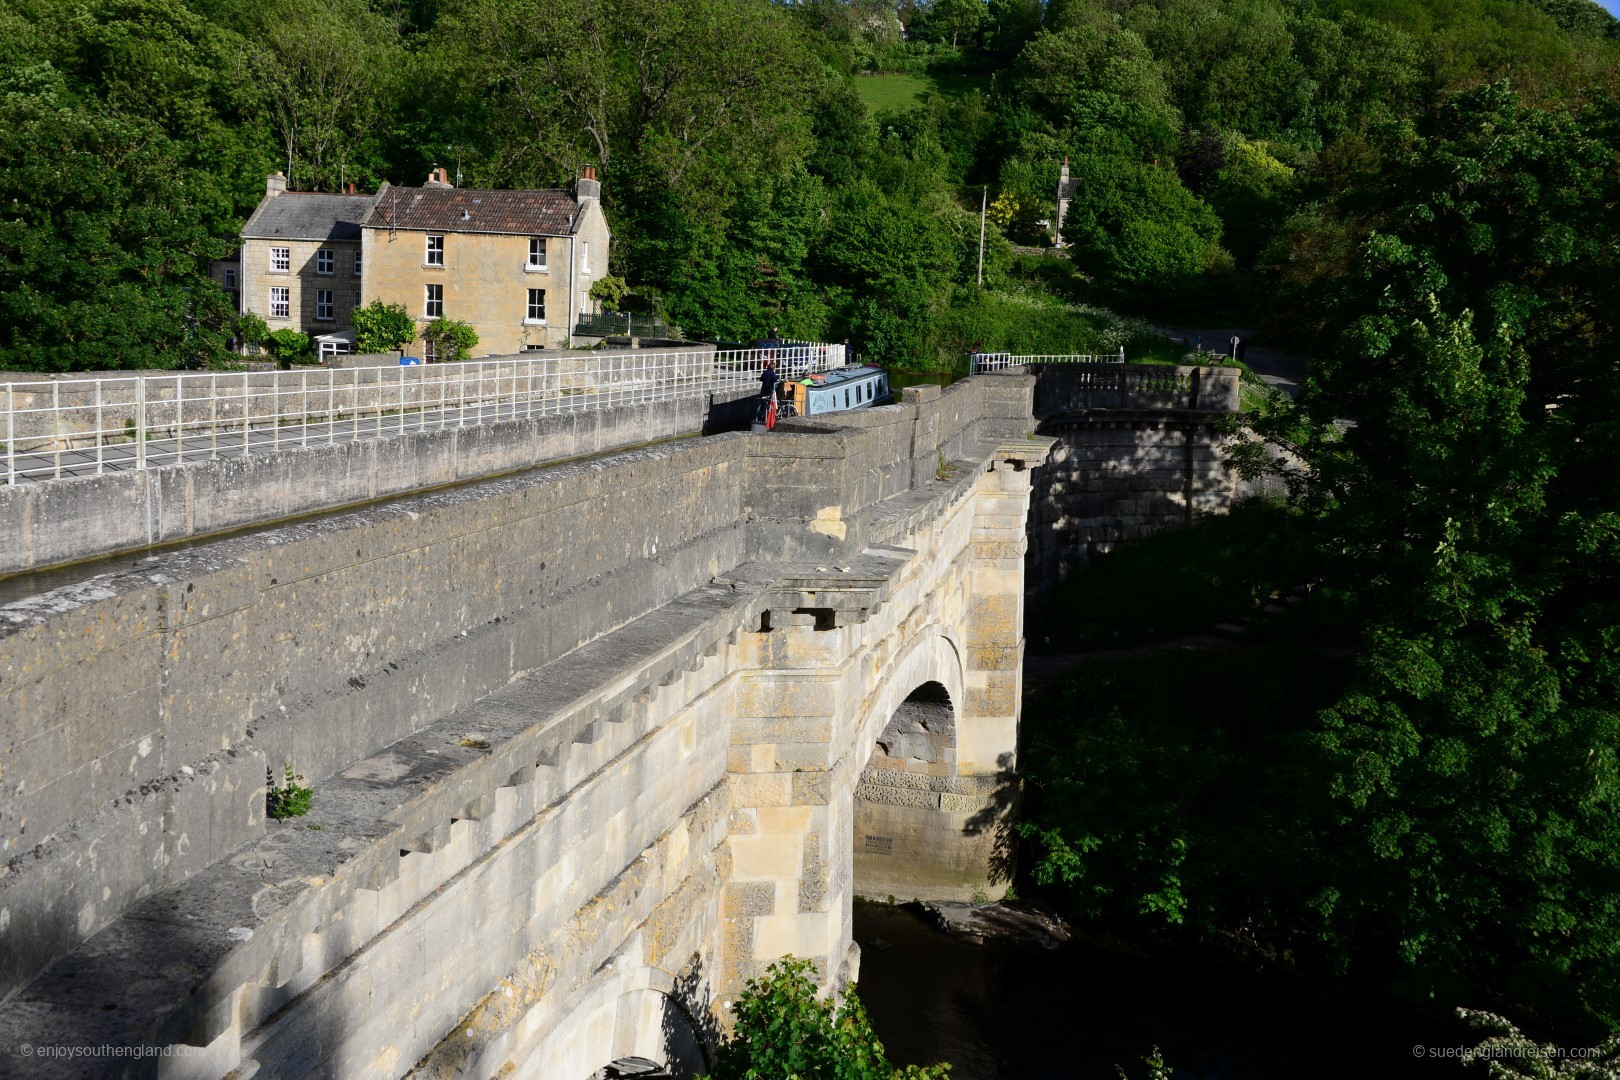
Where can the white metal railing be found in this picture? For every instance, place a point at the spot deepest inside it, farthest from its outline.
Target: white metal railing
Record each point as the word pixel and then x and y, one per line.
pixel 75 427
pixel 982 362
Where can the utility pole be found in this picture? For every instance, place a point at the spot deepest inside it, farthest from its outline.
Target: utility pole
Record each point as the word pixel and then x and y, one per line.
pixel 984 201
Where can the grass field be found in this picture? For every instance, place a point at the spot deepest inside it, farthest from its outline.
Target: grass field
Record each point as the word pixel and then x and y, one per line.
pixel 899 92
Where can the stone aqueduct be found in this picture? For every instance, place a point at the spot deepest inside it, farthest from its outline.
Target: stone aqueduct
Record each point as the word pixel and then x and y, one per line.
pixel 590 744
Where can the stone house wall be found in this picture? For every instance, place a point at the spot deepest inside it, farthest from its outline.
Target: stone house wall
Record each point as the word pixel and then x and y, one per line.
pixel 256 279
pixel 486 280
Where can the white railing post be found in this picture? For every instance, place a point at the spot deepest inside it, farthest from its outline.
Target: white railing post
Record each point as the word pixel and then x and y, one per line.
pixel 275 410
pixel 11 436
pixel 100 438
pixel 56 428
pixel 140 423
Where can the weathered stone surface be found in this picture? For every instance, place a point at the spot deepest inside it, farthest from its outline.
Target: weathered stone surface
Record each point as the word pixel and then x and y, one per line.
pixel 587 746
pixel 1124 467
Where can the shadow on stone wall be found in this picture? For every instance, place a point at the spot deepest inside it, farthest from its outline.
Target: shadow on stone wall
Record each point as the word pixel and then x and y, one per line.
pixel 691 1032
pixel 996 818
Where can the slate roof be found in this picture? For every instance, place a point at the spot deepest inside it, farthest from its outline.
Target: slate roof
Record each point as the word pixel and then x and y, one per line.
pixel 303 215
pixel 471 210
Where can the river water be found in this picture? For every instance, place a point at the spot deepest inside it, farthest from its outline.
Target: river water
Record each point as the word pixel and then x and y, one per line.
pixel 1006 1012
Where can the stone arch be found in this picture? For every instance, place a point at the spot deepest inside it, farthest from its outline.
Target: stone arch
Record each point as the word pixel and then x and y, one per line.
pixel 932 657
pixel 630 1017
pixel 911 839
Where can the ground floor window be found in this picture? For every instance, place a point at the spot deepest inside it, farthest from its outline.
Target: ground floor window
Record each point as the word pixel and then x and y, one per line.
pixel 537 306
pixel 280 302
pixel 429 353
pixel 323 304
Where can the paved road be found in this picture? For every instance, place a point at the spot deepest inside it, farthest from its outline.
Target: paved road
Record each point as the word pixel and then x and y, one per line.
pixel 1275 367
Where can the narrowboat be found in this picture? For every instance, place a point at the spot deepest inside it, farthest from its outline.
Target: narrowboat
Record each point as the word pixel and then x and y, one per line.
pixel 859 386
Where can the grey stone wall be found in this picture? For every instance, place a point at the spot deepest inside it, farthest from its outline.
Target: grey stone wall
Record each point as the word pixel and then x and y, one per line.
pixel 66 412
pixel 511 697
pixel 312 644
pixel 90 516
pixel 1121 470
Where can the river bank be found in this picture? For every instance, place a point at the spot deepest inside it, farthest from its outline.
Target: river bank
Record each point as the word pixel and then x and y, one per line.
pixel 1004 1010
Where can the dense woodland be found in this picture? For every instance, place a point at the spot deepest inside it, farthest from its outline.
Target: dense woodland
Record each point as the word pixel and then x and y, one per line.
pixel 1424 193
pixel 749 187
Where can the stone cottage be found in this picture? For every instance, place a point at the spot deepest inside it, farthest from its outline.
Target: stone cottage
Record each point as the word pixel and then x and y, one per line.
pixel 300 266
pixel 516 265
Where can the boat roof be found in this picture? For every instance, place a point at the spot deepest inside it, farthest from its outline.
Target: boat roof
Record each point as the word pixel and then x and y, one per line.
pixel 838 376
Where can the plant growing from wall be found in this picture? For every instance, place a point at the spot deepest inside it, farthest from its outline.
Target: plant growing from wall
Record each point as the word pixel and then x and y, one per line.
pixel 289 347
pixel 290 799
pixel 380 327
pixel 450 339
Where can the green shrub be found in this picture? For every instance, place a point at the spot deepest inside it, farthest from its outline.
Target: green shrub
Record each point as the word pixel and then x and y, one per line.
pixel 784 1028
pixel 291 799
pixel 289 347
pixel 380 327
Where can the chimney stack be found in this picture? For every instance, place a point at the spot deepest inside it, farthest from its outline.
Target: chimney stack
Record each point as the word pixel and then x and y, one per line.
pixel 275 184
pixel 438 178
pixel 589 188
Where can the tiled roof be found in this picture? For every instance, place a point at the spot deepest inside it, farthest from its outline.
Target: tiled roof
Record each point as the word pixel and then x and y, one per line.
pixel 440 209
pixel 300 215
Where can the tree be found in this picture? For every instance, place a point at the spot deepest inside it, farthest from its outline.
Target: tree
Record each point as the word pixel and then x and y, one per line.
pixel 450 339
pixel 609 290
pixel 121 183
pixel 251 330
pixel 1471 510
pixel 785 1029
pixel 380 327
pixel 325 68
pixel 1136 229
pixel 952 20
pixel 1506 1053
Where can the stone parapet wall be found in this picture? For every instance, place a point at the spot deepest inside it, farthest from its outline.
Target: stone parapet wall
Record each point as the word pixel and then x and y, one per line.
pixel 92 516
pixel 70 411
pixel 1068 388
pixel 311 644
pixel 1116 476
